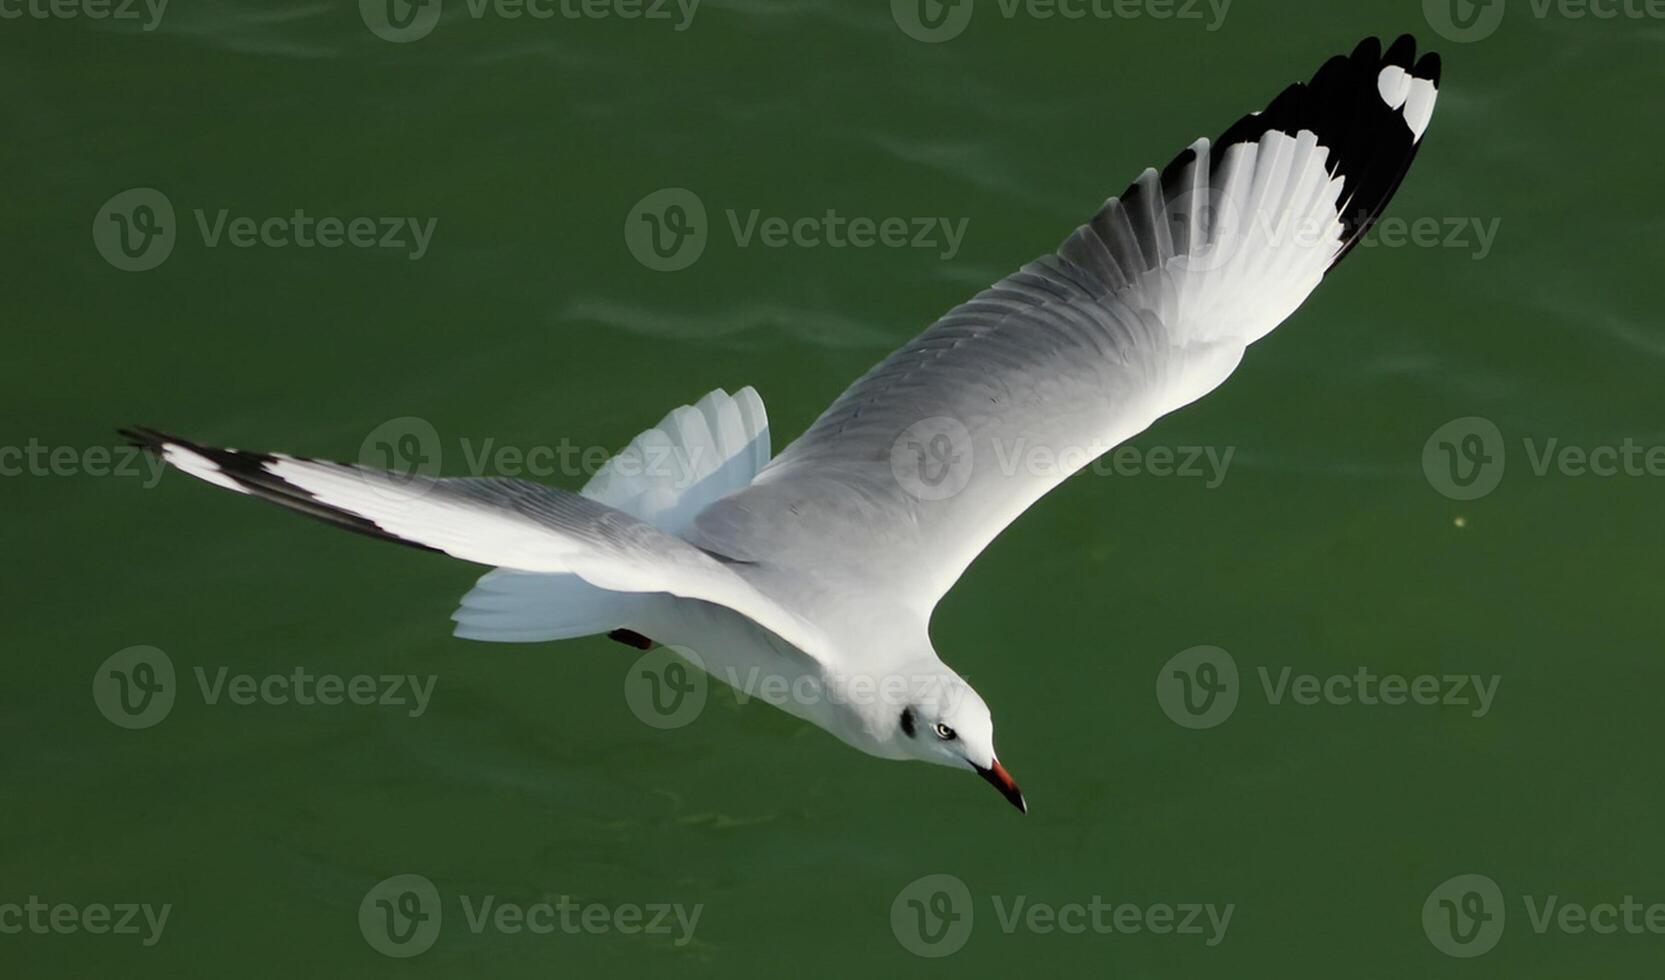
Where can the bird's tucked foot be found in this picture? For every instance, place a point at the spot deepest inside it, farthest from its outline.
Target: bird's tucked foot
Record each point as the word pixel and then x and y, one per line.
pixel 631 638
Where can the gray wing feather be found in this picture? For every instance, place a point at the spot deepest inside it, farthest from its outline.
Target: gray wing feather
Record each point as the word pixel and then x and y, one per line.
pixel 910 473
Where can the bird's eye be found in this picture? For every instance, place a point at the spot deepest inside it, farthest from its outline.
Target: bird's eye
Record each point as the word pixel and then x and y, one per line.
pixel 944 732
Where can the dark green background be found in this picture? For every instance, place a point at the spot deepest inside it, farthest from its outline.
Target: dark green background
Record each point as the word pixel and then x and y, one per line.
pixel 529 322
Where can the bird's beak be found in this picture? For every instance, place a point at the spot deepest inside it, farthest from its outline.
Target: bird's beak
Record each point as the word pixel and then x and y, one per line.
pixel 1002 780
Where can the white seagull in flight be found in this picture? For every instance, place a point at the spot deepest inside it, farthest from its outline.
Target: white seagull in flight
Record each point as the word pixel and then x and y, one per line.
pixel 821 566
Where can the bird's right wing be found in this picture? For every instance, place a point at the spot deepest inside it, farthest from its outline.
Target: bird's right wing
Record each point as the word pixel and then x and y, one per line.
pixel 507 523
pixel 917 466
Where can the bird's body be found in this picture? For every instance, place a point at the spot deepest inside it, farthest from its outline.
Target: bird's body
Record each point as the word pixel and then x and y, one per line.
pixel 808 579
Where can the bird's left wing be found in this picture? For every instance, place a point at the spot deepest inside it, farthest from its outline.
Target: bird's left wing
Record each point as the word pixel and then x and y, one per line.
pixel 920 463
pixel 509 523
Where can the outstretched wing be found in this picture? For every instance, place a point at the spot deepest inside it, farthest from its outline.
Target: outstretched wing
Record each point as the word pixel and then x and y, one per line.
pixel 918 465
pixel 508 523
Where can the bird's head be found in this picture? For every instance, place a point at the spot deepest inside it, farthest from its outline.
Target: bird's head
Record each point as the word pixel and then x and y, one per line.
pixel 946 722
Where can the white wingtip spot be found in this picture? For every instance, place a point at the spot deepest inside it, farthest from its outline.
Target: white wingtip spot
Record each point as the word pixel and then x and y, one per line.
pixel 1393 84
pixel 1419 105
pixel 1412 96
pixel 199 467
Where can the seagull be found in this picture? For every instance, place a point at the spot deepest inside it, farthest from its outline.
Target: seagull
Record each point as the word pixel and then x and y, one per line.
pixel 819 567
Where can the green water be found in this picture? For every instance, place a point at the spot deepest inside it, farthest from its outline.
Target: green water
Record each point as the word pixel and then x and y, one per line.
pixel 523 145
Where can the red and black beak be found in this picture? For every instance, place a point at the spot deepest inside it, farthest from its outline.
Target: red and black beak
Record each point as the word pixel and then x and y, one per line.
pixel 1002 780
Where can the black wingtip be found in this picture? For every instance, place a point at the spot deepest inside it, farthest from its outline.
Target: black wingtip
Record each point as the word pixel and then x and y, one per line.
pixel 1428 66
pixel 144 438
pixel 1368 51
pixel 1401 52
pixel 155 440
pixel 248 470
pixel 1370 142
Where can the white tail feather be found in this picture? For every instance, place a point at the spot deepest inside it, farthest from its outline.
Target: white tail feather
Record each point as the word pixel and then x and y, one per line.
pixel 667 475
